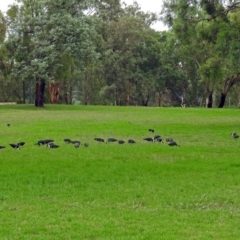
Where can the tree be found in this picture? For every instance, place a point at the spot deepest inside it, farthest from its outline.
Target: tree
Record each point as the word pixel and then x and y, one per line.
pixel 228 41
pixel 124 41
pixel 41 34
pixel 202 29
pixel 188 46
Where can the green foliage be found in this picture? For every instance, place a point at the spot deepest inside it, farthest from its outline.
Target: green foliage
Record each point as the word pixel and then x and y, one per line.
pixel 43 33
pixel 208 41
pixel 90 46
pixel 3 28
pixel 122 55
pixel 130 55
pixel 211 69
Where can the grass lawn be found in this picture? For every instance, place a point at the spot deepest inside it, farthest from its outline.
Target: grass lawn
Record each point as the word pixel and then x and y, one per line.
pixel 111 191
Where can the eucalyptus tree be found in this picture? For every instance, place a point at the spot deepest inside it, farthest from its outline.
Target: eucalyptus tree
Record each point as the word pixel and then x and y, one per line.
pixel 3 53
pixel 124 41
pixel 8 88
pixel 172 81
pixel 207 35
pixel 219 28
pixel 90 77
pixel 42 34
pixel 193 51
pixel 107 10
pixel 228 41
pixel 150 84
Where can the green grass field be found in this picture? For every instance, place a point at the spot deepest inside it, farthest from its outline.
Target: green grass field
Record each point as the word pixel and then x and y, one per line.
pixel 111 191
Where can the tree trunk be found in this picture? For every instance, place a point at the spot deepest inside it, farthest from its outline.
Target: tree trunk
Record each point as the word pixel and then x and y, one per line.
pixel 228 83
pixel 24 93
pixel 86 98
pixel 145 101
pixel 222 100
pixel 209 101
pixel 160 95
pixel 54 92
pixel 127 99
pixel 117 100
pixel 65 92
pixel 30 92
pixel 70 94
pixel 127 95
pixel 39 98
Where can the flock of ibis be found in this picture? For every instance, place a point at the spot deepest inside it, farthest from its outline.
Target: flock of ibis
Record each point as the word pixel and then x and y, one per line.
pixel 49 143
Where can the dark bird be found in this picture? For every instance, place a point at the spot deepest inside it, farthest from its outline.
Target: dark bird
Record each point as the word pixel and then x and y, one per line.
pixel 21 144
pixel 121 141
pixel 40 142
pixel 46 141
pixel 173 143
pixel 151 130
pixel 149 139
pixel 8 124
pixel 15 145
pixel 112 140
pixel 168 140
pixel 67 140
pixel 235 136
pixel 86 144
pixel 49 144
pixel 76 144
pixel 52 145
pixel 43 142
pixel 156 137
pixel 2 147
pixel 99 139
pixel 160 140
pixel 131 141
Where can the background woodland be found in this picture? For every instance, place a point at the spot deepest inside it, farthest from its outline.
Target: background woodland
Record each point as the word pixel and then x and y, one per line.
pixel 106 53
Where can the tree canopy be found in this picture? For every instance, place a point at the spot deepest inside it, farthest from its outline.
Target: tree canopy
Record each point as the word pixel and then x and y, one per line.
pixel 105 52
